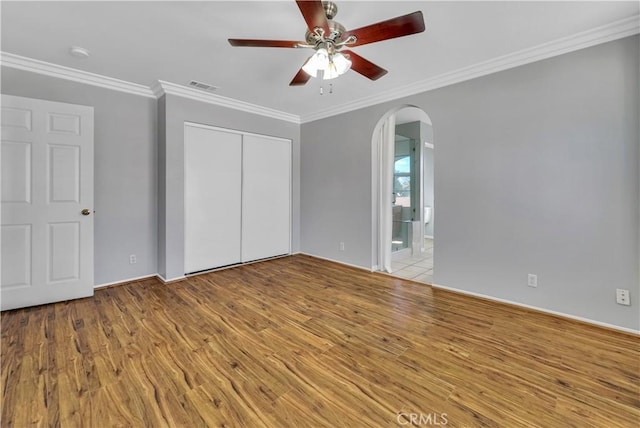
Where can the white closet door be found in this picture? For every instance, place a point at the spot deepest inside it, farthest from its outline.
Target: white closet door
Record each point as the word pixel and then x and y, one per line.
pixel 213 184
pixel 266 197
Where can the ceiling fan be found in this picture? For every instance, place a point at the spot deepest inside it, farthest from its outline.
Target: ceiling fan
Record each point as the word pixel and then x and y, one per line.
pixel 328 38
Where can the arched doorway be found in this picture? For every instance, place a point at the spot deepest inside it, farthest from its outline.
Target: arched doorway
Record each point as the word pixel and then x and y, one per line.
pixel 402 194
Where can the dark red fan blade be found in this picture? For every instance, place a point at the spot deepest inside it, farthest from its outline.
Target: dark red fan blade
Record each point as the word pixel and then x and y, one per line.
pixel 364 67
pixel 397 27
pixel 265 43
pixel 314 14
pixel 301 78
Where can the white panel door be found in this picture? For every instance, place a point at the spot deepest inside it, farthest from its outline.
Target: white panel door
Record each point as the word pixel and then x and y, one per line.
pixel 266 197
pixel 213 162
pixel 47 202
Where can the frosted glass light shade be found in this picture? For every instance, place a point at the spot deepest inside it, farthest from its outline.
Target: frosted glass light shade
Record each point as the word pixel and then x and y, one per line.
pixel 331 72
pixel 319 61
pixel 331 66
pixel 338 65
pixel 341 62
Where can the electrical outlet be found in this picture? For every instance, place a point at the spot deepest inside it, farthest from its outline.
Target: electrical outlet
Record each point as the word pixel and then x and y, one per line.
pixel 342 246
pixel 132 259
pixel 532 280
pixel 622 297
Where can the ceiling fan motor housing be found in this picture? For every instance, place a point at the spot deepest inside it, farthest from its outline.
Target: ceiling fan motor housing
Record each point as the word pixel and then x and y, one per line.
pixel 315 38
pixel 335 37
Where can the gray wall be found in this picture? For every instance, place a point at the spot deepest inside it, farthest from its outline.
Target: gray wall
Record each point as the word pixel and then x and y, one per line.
pixel 171 180
pixel 536 172
pixel 125 169
pixel 335 175
pixel 139 175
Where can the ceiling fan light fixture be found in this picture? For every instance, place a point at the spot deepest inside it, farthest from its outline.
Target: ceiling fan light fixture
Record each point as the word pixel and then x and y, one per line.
pixel 326 37
pixel 330 72
pixel 338 65
pixel 309 67
pixel 341 62
pixel 319 61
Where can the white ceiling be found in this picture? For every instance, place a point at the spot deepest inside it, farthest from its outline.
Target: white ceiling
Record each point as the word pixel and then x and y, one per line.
pixel 143 42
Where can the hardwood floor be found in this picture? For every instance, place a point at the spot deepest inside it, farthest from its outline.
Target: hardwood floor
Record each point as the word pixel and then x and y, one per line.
pixel 302 342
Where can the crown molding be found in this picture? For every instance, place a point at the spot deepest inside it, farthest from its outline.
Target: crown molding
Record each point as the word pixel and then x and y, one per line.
pixel 156 91
pixel 613 31
pixel 606 33
pixel 41 67
pixel 163 87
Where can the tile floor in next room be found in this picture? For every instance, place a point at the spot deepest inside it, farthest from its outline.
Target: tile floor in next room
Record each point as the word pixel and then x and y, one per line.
pixel 416 268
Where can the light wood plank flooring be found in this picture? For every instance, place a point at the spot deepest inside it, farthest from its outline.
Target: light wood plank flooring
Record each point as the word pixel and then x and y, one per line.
pixel 301 342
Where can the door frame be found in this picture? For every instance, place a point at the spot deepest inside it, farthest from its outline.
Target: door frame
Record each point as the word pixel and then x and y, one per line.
pixel 375 176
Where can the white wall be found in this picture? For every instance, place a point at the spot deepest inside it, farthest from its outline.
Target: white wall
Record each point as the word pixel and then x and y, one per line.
pixel 426 132
pixel 428 187
pixel 536 172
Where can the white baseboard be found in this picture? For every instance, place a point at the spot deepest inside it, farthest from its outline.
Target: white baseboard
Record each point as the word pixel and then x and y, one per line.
pixel 336 261
pixel 538 309
pixel 166 281
pixel 109 284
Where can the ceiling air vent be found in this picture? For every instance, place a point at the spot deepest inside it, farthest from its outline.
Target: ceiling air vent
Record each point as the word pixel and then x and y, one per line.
pixel 202 86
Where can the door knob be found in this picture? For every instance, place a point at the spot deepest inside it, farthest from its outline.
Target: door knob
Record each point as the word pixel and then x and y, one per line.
pixel 85 211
